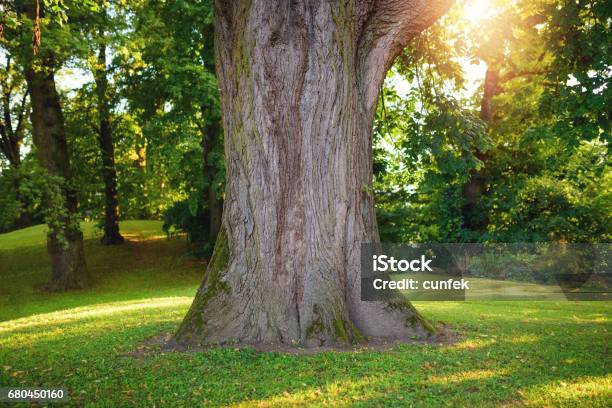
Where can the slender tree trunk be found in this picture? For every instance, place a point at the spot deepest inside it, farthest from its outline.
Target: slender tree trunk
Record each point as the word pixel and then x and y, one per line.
pixel 139 177
pixel 105 134
pixel 210 138
pixel 299 83
pixel 10 146
pixel 65 240
pixel 491 90
pixel 24 215
pixel 474 218
pixel 12 130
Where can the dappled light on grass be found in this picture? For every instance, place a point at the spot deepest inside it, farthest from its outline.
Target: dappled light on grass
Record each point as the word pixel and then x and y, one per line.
pixel 468 375
pixel 139 238
pixel 577 392
pixel 96 343
pixel 598 318
pixel 473 344
pixel 90 350
pixel 147 266
pixel 337 394
pixel 95 311
pixel 525 338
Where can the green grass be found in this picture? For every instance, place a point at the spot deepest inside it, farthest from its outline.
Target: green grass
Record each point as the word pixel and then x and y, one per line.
pixel 509 353
pixel 148 265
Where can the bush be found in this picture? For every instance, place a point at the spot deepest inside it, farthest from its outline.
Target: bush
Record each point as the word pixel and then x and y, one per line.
pixel 193 220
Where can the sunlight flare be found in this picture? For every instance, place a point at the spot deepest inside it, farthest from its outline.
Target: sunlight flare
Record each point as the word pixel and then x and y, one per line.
pixel 478 10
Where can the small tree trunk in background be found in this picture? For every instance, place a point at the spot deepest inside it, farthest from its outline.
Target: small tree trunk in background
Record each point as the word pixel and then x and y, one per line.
pixel 10 145
pixel 12 131
pixel 109 174
pixel 299 83
pixel 491 90
pixel 474 218
pixel 65 239
pixel 24 214
pixel 139 177
pixel 210 138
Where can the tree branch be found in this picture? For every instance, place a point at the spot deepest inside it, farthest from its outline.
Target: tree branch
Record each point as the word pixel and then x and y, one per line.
pixel 525 73
pixel 390 25
pixel 20 122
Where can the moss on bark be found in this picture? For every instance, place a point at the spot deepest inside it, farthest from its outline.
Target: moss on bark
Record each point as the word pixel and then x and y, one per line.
pixel 194 322
pixel 414 319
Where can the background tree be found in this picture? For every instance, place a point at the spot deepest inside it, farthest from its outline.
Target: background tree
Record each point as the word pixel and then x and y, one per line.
pixel 105 131
pixel 13 122
pixel 65 240
pixel 174 41
pixel 518 155
pixel 520 183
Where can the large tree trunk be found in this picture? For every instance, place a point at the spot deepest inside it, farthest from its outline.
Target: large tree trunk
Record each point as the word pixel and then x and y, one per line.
pixel 109 175
pixel 474 218
pixel 299 83
pixel 210 137
pixel 65 240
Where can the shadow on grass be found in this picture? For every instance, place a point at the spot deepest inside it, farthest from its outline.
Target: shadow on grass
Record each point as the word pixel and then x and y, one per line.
pixel 143 267
pixel 509 360
pixel 544 354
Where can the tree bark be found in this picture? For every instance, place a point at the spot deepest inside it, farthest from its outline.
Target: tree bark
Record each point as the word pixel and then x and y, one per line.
pixel 491 89
pixel 474 218
pixel 109 174
pixel 65 240
pixel 210 137
pixel 299 83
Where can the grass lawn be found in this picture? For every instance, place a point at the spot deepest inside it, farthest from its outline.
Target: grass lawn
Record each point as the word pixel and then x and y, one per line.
pixel 509 353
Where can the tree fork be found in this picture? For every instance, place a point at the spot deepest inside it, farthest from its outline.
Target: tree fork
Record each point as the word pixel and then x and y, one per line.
pixel 299 83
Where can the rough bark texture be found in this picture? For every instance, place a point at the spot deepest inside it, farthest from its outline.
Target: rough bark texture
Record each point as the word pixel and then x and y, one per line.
pixel 105 134
pixel 65 240
pixel 299 83
pixel 474 218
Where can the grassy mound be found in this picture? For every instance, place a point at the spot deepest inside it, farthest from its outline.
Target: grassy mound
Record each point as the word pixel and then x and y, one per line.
pixel 93 342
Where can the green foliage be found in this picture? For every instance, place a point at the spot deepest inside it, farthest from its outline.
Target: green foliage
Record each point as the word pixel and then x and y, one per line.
pixel 10 208
pixel 189 217
pixel 543 155
pixel 568 201
pixel 426 142
pixel 503 266
pixel 51 191
pixel 172 88
pixel 579 96
pixel 163 93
